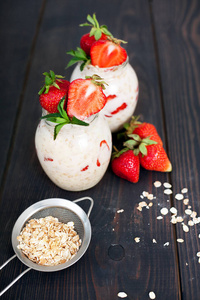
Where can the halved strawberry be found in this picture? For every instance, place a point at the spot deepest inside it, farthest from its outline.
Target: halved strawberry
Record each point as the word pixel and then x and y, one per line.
pixel 85 97
pixel 53 91
pixel 107 53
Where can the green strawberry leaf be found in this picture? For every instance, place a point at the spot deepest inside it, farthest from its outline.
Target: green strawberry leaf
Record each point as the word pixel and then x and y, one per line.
pixel 97 34
pixel 131 144
pixel 54 115
pixel 136 137
pixel 58 128
pixel 78 122
pixel 118 153
pixel 136 151
pixel 96 29
pixel 148 141
pixel 61 109
pixel 50 80
pixel 143 149
pixel 78 55
pixel 92 20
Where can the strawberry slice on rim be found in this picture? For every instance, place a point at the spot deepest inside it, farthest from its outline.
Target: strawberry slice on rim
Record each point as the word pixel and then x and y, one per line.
pixel 107 53
pixel 85 97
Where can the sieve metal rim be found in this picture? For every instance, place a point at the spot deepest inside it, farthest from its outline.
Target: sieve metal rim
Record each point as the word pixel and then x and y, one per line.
pixel 46 203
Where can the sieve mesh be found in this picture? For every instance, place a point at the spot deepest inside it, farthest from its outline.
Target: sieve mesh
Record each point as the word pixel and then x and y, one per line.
pixel 65 211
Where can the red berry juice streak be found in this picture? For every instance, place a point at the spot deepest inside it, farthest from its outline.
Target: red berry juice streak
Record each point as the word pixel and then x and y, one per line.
pixel 122 107
pixel 48 159
pixel 101 144
pixel 84 169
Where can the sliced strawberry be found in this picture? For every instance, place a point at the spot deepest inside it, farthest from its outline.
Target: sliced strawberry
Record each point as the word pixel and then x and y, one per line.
pixel 85 98
pixel 53 91
pixel 107 53
pixel 87 41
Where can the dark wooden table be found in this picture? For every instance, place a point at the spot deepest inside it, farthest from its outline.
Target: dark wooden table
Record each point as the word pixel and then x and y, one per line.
pixel 164 49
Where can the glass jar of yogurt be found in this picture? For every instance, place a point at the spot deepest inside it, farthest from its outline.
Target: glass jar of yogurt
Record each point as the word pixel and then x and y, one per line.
pixel 79 156
pixel 121 91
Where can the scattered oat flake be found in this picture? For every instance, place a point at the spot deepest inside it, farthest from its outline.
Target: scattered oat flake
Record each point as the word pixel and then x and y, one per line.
pixel 167 185
pixel 137 239
pixel 120 211
pixel 150 204
pixel 199 260
pixel 150 196
pixel 152 295
pixel 157 184
pixel 154 241
pixel 166 244
pixel 198 254
pixel 122 295
pixel 167 191
pixel 179 219
pixel 186 201
pixel 193 214
pixel 199 236
pixel 180 240
pixel 190 223
pixel 188 211
pixel 145 194
pixel 164 211
pixel 159 217
pixel 173 210
pixel 179 197
pixel 173 220
pixel 185 228
pixel 184 190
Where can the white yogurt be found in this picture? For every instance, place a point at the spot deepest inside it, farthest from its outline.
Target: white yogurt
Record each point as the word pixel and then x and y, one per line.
pixel 121 92
pixel 79 156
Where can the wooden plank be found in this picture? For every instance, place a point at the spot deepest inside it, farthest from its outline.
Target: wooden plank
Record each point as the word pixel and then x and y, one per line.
pixel 177 35
pixel 114 262
pixel 18 27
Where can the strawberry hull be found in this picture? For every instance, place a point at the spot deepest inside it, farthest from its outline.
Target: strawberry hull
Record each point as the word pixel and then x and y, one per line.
pixel 78 158
pixel 121 92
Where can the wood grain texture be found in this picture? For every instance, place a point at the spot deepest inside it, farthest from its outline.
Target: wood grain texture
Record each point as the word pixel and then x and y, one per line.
pixel 156 34
pixel 18 25
pixel 178 40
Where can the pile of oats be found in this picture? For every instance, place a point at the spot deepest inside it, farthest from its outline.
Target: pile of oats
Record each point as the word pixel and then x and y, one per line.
pixel 48 242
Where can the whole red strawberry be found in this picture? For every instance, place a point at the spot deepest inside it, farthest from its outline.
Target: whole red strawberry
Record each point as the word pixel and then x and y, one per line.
pixel 53 91
pixel 96 33
pixel 156 159
pixel 126 165
pixel 144 130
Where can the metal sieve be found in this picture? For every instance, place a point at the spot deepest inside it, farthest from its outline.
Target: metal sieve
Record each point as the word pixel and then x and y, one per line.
pixel 65 211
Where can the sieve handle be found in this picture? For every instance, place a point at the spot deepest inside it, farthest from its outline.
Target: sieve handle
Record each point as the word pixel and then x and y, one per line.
pixel 91 203
pixel 17 278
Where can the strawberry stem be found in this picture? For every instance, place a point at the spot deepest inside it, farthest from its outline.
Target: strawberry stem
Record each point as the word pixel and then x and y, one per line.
pixel 50 80
pixel 96 30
